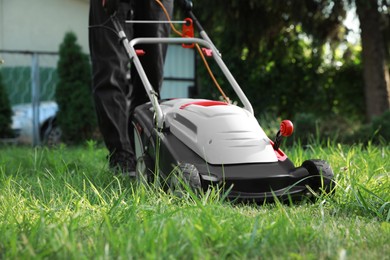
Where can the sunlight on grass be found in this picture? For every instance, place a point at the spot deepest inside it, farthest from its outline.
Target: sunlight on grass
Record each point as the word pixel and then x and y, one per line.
pixel 64 203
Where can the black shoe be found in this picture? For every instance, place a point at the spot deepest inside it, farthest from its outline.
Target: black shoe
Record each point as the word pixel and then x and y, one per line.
pixel 122 163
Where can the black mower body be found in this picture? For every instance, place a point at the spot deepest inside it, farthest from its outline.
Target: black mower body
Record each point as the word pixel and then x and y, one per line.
pixel 247 181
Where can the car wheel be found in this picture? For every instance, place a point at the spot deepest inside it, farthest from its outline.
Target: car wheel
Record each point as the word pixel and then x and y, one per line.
pixel 51 135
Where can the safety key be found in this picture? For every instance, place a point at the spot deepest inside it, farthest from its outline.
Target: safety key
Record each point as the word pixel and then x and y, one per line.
pixel 188 32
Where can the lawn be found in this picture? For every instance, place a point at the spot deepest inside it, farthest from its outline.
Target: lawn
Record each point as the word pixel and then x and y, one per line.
pixel 63 203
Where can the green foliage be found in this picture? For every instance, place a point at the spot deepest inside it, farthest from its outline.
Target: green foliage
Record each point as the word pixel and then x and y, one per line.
pixel 305 127
pixel 76 116
pixel 377 131
pixel 345 90
pixel 286 78
pixel 277 56
pixel 5 112
pixel 310 128
pixel 381 126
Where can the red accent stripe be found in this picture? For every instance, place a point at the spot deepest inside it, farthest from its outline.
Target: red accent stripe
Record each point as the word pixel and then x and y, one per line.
pixel 205 103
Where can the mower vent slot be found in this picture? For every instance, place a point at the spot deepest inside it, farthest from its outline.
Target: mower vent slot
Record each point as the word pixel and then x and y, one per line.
pixel 187 123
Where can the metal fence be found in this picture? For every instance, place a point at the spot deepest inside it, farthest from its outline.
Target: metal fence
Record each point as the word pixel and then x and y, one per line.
pixel 28 74
pixel 30 77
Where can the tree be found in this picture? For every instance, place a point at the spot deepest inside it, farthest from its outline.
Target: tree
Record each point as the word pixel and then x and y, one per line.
pixel 5 112
pixel 76 116
pixel 253 27
pixel 275 49
pixel 376 71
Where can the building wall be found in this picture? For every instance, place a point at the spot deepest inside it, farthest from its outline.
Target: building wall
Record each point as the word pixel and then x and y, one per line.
pixel 179 72
pixel 40 25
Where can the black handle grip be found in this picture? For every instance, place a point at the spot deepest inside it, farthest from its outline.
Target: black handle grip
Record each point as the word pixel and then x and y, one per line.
pixel 186 5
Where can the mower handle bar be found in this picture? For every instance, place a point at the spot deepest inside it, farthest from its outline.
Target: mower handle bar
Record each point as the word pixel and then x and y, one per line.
pixel 129 46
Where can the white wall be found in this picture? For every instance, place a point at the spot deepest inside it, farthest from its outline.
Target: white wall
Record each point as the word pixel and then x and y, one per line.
pixel 40 25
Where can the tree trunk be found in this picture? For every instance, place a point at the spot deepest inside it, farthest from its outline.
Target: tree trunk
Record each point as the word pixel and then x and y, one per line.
pixel 376 72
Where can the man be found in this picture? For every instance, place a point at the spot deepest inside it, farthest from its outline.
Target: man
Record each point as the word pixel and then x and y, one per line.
pixel 116 90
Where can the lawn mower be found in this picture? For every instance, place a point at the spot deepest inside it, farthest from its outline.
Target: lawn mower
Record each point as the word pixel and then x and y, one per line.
pixel 206 143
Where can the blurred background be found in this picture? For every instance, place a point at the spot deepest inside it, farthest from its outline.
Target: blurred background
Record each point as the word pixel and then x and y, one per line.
pixel 322 64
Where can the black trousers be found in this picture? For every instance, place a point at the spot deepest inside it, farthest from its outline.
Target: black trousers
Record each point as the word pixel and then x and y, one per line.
pixel 116 89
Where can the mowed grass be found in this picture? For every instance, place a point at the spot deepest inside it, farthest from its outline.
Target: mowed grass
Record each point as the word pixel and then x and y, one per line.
pixel 63 203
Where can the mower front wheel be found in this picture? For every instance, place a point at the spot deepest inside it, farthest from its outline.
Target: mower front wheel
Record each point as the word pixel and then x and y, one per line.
pixel 186 176
pixel 321 175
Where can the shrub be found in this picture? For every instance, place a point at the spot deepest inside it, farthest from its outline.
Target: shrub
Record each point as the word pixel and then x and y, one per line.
pixel 381 126
pixel 5 112
pixel 346 93
pixel 76 116
pixel 378 131
pixel 305 127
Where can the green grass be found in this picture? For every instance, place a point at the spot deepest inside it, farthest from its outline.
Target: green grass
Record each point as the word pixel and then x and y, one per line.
pixel 63 203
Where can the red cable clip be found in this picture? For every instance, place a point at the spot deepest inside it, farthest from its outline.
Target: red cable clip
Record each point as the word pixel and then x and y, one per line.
pixel 188 32
pixel 140 52
pixel 207 52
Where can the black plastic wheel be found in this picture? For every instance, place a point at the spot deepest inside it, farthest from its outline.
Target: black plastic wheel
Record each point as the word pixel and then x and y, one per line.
pixel 321 174
pixel 186 174
pixel 144 169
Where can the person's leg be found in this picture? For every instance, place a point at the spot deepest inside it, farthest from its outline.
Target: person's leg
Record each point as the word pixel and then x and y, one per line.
pixel 153 60
pixel 110 84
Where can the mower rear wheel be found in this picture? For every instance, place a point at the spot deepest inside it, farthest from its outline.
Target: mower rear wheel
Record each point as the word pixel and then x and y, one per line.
pixel 321 174
pixel 144 169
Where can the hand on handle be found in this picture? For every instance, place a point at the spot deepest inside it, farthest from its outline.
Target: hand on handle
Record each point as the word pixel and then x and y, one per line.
pixel 110 6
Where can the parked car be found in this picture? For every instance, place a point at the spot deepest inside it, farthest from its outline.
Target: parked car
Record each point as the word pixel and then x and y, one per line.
pixel 22 123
